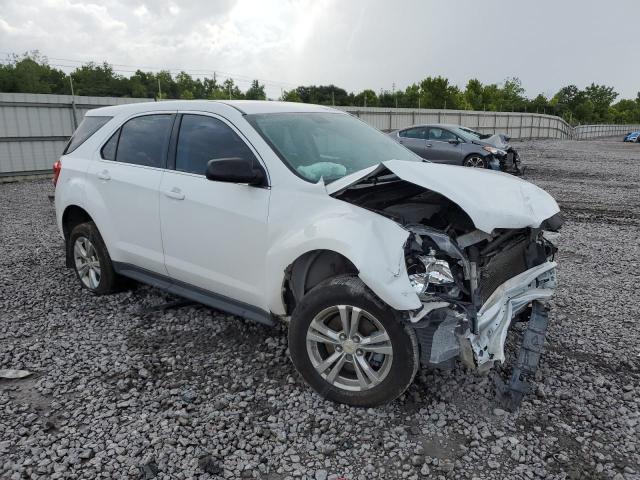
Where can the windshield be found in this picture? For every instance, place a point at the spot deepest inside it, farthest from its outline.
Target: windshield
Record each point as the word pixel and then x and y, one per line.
pixel 326 145
pixel 467 133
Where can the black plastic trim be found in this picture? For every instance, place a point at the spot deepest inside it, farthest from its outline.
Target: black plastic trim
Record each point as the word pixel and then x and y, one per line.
pixel 197 294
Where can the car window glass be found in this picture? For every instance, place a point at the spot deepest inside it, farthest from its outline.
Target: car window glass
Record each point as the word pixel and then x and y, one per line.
pixel 203 138
pixel 441 134
pixel 87 127
pixel 326 145
pixel 108 151
pixel 143 140
pixel 417 132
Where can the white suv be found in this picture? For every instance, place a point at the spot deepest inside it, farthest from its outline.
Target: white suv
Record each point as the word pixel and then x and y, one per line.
pixel 282 211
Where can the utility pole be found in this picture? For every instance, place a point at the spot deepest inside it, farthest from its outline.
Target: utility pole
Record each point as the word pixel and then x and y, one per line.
pixel 73 104
pixel 418 102
pixel 333 98
pixel 229 91
pixel 365 99
pixel 159 90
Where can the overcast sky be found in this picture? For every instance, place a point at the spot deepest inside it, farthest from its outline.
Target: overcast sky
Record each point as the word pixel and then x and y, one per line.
pixel 355 44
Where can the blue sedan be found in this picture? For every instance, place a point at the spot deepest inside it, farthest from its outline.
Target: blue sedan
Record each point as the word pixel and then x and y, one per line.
pixel 632 137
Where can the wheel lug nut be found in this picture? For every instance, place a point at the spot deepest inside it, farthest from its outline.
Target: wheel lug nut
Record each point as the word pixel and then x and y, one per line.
pixel 356 339
pixel 359 353
pixel 343 336
pixel 338 348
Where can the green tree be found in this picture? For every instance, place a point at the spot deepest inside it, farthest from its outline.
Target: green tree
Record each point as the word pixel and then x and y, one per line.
pixel 436 92
pixel 290 96
pixel 255 92
pixel 474 94
pixel 230 90
pixel 98 80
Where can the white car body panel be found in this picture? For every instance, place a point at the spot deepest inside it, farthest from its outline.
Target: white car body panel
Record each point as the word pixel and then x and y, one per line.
pixel 214 238
pixel 129 202
pixel 491 199
pixel 306 219
pixel 302 216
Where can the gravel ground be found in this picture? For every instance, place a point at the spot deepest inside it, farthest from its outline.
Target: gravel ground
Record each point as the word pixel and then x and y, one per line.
pixel 122 391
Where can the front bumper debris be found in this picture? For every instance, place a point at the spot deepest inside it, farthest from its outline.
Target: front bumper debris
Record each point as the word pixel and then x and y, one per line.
pixel 445 334
pixel 494 317
pixel 520 383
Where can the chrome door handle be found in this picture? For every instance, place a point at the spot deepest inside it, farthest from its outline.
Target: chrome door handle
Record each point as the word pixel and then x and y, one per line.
pixel 429 145
pixel 175 193
pixel 104 175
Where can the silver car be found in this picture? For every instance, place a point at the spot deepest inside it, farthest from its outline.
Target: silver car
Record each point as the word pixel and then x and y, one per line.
pixel 450 144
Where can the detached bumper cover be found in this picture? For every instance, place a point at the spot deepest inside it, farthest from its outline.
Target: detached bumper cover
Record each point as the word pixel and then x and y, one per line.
pixel 494 317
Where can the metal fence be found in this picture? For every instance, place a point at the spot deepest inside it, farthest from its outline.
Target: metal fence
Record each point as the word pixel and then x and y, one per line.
pixel 516 125
pixel 585 132
pixel 34 128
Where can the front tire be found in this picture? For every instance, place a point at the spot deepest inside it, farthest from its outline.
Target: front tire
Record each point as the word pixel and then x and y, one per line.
pixel 91 260
pixel 349 346
pixel 474 161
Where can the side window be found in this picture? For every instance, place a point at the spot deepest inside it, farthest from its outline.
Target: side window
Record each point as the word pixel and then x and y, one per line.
pixel 416 132
pixel 203 138
pixel 87 127
pixel 441 134
pixel 108 151
pixel 144 140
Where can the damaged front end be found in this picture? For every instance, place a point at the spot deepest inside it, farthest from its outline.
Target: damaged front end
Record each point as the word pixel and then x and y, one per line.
pixel 467 314
pixel 472 287
pixel 472 284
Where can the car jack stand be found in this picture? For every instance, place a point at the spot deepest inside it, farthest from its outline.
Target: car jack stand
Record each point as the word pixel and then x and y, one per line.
pixel 521 381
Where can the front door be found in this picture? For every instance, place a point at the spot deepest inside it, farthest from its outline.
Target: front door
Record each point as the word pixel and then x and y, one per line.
pixel 214 233
pixel 441 148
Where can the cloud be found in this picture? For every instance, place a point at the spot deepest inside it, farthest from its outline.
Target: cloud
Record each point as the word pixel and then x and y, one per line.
pixel 352 43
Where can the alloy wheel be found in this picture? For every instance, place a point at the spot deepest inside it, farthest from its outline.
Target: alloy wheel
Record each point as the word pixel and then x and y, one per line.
pixel 87 262
pixel 474 162
pixel 349 348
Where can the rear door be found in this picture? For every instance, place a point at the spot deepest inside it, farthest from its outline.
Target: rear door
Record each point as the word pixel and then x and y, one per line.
pixel 440 149
pixel 415 139
pixel 125 180
pixel 214 233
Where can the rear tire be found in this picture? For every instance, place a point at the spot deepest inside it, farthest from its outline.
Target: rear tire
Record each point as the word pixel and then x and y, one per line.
pixel 474 161
pixel 349 346
pixel 91 260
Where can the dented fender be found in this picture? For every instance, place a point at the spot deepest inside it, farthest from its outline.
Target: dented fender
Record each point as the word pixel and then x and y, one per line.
pixel 315 221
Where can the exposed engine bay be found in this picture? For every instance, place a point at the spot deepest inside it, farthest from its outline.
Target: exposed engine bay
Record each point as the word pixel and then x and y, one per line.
pixel 471 283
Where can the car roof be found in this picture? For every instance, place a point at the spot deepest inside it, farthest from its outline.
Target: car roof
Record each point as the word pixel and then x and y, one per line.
pixel 440 125
pixel 243 106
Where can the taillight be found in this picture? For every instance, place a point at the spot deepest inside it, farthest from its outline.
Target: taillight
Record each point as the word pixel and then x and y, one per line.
pixel 57 167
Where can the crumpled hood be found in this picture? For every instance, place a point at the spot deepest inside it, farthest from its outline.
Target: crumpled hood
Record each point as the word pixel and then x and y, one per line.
pixel 496 140
pixel 491 199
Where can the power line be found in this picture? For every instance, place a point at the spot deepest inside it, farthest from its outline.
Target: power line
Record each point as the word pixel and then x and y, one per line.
pixel 196 72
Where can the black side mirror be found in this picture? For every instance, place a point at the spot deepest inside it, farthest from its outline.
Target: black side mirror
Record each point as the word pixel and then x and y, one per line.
pixel 454 141
pixel 236 170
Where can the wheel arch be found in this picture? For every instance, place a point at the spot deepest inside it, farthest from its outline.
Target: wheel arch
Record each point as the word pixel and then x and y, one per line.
pixel 72 216
pixel 310 269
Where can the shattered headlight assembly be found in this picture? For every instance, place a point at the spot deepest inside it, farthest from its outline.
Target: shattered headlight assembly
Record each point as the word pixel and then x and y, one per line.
pixel 552 237
pixel 494 151
pixel 437 272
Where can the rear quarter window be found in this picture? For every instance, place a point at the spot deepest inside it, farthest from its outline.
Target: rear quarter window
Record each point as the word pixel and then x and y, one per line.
pixel 87 127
